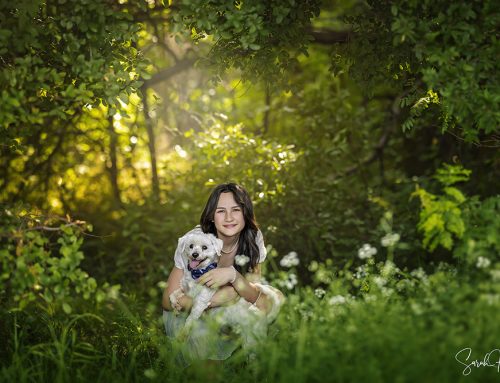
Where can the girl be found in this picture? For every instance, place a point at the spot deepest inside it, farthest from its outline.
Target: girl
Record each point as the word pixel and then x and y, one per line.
pixel 228 215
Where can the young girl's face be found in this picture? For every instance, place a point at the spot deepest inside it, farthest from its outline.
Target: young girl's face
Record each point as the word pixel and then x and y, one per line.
pixel 228 217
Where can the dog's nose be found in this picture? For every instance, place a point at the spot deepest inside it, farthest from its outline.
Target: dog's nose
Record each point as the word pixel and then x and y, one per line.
pixel 195 255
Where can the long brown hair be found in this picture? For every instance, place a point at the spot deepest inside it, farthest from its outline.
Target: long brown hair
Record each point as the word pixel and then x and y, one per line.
pixel 247 244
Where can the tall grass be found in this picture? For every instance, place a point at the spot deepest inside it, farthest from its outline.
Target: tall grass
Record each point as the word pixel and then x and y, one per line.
pixel 380 336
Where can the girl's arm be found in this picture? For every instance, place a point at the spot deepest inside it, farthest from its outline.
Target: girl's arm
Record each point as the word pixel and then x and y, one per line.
pixel 224 295
pixel 242 287
pixel 250 292
pixel 173 283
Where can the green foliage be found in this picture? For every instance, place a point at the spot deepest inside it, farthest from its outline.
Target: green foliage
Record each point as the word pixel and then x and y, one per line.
pixel 450 174
pixel 57 57
pixel 36 269
pixel 229 152
pixel 417 106
pixel 322 162
pixel 262 38
pixel 441 215
pixel 317 329
pixel 468 226
pixel 480 245
pixel 456 49
pixel 142 239
pixel 417 47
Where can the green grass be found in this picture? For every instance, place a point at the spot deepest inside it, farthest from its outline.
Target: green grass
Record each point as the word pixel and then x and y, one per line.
pixel 379 336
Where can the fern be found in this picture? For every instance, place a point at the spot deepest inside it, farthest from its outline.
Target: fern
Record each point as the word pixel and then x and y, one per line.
pixel 441 216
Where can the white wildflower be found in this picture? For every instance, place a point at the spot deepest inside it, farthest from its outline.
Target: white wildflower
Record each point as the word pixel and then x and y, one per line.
pixel 304 310
pixel 289 260
pixel 389 240
pixel 319 292
pixel 405 284
pixel 361 272
pixel 389 269
pixel 337 300
pixel 402 286
pixel 379 281
pixel 272 229
pixel 447 268
pixel 418 273
pixel 386 292
pixel 482 262
pixel 241 259
pixel 290 282
pixel 367 251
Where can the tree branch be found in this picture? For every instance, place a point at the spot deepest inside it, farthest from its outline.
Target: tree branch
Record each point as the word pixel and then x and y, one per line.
pixel 377 151
pixel 329 36
pixel 49 228
pixel 169 72
pixel 267 112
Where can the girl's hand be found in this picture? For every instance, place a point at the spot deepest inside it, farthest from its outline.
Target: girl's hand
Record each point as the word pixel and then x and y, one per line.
pixel 217 277
pixel 224 296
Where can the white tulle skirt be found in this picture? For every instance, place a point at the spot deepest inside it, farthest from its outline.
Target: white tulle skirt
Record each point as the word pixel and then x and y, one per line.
pixel 222 330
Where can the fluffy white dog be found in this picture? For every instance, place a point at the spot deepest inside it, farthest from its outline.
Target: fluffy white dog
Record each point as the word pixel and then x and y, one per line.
pixel 201 253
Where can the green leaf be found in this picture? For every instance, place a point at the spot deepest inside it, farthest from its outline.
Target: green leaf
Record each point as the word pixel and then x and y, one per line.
pixel 455 193
pixel 67 308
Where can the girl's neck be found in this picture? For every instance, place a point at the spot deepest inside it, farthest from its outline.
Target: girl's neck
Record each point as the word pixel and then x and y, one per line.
pixel 228 242
pixel 230 245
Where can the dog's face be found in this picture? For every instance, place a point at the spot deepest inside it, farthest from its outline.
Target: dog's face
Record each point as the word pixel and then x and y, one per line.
pixel 200 250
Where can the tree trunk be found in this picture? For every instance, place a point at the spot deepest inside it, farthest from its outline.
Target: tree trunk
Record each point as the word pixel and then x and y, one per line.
pixel 113 169
pixel 267 112
pixel 151 145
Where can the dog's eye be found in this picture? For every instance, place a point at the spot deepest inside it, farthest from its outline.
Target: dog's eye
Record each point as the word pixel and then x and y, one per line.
pixel 204 247
pixel 191 246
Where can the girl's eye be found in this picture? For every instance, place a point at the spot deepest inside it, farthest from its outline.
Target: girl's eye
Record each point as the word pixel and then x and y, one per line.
pixel 191 246
pixel 204 247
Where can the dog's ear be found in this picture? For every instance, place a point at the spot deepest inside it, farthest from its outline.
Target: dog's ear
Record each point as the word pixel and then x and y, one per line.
pixel 216 243
pixel 183 242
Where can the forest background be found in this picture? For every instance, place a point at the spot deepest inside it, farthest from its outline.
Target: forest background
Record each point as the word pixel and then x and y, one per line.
pixel 367 133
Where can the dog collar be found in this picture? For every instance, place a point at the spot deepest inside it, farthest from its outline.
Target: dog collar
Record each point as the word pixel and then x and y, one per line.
pixel 196 273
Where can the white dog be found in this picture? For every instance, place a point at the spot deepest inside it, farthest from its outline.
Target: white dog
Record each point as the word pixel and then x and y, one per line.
pixel 201 253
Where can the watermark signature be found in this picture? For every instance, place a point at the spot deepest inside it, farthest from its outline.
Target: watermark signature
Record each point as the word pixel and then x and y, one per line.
pixel 491 359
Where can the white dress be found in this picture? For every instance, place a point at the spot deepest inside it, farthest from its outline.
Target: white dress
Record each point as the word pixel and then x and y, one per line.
pixel 210 338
